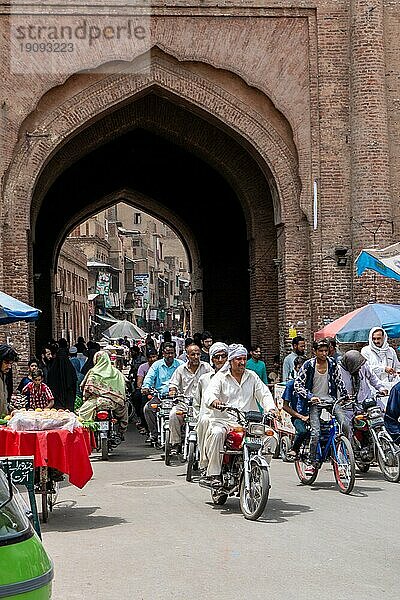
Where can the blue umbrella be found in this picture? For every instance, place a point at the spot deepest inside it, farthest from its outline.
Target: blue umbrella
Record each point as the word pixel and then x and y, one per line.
pixel 357 325
pixel 12 310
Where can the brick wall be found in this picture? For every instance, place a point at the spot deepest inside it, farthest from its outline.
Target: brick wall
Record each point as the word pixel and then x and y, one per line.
pixel 310 91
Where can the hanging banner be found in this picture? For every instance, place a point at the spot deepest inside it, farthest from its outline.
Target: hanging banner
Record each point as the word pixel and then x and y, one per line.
pixel 142 289
pixel 103 283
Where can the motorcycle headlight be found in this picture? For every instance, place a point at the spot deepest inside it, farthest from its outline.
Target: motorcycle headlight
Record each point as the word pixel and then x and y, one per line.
pixel 256 429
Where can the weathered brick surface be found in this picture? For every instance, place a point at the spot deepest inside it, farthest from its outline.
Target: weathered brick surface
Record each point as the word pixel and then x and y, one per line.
pixel 310 91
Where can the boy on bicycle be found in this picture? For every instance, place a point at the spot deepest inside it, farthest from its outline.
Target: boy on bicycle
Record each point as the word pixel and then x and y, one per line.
pixel 319 382
pixel 297 408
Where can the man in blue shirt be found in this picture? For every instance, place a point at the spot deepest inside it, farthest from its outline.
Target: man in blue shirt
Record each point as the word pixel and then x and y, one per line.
pixel 158 377
pixel 297 408
pixel 392 414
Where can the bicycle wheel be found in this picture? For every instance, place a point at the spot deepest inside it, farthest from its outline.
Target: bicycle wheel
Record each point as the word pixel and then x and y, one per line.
pixel 306 474
pixel 344 466
pixel 390 465
pixel 167 457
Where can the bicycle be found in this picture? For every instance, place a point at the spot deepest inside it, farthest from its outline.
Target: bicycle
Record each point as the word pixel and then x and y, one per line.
pixel 332 446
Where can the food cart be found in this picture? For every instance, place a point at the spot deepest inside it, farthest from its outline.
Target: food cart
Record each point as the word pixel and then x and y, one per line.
pixel 59 444
pixel 283 426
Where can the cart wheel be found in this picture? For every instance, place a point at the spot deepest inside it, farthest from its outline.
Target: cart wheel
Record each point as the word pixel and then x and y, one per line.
pixel 45 505
pixel 52 496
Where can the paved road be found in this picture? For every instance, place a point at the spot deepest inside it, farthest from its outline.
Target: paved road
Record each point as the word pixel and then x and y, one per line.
pixel 139 531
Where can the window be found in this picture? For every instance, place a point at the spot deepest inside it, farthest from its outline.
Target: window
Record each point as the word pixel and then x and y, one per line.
pixel 137 218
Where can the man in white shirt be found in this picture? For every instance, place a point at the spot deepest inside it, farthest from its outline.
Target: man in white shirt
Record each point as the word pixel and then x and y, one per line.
pixel 184 381
pixel 218 357
pixel 237 387
pixel 382 358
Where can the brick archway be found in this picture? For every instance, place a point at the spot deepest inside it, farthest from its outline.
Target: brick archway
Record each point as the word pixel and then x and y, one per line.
pixel 25 187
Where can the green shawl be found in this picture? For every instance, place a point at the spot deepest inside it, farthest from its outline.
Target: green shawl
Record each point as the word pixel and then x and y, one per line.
pixel 105 380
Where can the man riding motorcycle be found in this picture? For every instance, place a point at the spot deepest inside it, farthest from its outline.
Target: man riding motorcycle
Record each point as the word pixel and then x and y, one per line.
pixel 184 381
pixel 237 387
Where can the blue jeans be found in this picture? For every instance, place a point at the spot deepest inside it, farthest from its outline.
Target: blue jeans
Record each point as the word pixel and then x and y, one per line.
pixel 315 425
pixel 301 433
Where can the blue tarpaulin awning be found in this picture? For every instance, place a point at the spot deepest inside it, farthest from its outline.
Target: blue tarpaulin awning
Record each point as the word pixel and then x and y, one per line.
pixel 12 310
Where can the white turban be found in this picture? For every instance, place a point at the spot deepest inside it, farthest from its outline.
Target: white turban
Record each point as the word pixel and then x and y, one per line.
pixel 218 347
pixel 236 350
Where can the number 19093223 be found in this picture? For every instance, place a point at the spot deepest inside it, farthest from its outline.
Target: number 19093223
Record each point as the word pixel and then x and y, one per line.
pixel 46 47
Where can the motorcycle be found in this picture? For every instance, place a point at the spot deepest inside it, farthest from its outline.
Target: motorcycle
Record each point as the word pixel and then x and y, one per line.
pixel 245 470
pixel 163 405
pixel 372 442
pixel 106 434
pixel 189 438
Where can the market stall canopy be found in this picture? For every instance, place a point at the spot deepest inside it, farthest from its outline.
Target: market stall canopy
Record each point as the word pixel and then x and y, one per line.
pixel 386 262
pixel 355 325
pixel 124 328
pixel 12 310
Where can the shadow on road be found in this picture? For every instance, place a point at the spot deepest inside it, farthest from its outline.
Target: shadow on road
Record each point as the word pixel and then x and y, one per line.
pixel 277 510
pixel 66 516
pixel 359 490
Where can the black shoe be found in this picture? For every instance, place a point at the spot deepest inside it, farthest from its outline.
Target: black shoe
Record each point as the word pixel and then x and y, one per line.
pixel 176 449
pixel 212 481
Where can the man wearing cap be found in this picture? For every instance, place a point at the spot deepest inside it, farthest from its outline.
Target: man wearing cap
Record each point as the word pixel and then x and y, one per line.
pixel 237 387
pixel 184 381
pixel 319 381
pixel 218 357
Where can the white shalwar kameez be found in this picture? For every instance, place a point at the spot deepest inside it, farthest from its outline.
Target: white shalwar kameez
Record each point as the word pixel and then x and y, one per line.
pixel 225 388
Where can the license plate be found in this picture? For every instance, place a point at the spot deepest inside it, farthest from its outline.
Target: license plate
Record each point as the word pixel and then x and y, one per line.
pixel 253 440
pixel 377 421
pixel 103 425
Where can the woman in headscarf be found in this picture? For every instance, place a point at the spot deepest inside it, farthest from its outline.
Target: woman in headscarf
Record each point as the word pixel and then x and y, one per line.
pixel 62 378
pixel 382 358
pixel 104 387
pixel 93 347
pixel 7 357
pixel 358 377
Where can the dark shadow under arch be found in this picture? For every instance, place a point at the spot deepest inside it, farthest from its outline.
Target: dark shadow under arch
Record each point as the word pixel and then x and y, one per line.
pixel 150 161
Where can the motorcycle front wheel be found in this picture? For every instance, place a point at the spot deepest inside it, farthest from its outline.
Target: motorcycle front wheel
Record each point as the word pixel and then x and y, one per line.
pixel 390 465
pixel 167 454
pixel 254 500
pixel 344 466
pixel 191 459
pixel 104 448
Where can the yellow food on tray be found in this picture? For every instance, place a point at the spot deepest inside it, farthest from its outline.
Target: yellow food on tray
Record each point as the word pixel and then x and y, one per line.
pixel 43 419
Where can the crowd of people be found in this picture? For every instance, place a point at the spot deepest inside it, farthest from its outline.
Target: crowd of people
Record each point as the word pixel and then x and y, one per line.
pixel 85 377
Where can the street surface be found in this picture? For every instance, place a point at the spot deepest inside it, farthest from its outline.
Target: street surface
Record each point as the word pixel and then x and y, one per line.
pixel 139 531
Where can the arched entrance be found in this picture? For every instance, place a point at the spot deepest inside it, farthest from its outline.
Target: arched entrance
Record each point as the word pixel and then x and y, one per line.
pixel 211 161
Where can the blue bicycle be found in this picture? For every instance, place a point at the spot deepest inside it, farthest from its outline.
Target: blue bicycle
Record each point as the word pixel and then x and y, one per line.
pixel 332 447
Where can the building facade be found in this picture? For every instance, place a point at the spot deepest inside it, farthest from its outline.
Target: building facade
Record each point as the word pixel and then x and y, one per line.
pixel 265 134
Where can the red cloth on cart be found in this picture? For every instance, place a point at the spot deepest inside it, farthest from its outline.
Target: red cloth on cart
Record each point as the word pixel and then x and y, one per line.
pixel 58 448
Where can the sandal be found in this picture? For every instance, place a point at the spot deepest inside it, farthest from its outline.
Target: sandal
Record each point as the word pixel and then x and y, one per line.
pixel 291 455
